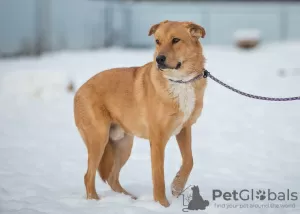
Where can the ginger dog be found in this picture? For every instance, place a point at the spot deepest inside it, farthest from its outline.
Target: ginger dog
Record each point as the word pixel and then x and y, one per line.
pixel 155 101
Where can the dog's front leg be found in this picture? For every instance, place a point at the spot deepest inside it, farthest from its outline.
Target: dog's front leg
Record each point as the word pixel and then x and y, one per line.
pixel 158 144
pixel 184 143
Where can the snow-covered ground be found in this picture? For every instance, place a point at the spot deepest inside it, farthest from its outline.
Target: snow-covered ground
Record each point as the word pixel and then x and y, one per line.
pixel 238 143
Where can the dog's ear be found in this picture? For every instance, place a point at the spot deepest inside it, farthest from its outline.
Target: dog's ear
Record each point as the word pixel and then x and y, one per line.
pixel 154 27
pixel 195 30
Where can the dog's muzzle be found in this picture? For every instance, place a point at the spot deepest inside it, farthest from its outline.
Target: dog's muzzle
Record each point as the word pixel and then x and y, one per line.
pixel 164 66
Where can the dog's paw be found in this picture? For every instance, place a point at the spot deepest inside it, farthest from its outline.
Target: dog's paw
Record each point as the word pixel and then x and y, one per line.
pixel 176 191
pixel 164 202
pixel 92 196
pixel 177 185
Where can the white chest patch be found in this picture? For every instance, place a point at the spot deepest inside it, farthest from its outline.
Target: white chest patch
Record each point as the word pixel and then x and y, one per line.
pixel 186 98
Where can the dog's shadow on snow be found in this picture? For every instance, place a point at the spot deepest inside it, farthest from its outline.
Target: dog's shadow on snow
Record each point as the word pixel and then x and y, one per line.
pixel 142 192
pixel 138 190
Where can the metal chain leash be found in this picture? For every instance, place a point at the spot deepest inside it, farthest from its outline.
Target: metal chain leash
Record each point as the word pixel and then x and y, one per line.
pixel 207 74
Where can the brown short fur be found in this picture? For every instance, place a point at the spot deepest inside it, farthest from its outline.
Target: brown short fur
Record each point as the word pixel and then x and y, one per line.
pixel 117 104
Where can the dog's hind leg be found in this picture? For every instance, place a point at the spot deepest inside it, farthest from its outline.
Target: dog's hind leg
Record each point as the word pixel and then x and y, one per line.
pixel 93 123
pixel 122 150
pixel 96 138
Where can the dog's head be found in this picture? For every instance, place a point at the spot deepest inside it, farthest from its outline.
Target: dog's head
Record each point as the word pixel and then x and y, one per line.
pixel 178 50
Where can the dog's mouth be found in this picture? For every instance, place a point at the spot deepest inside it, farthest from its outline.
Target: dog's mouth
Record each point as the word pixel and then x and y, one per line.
pixel 164 66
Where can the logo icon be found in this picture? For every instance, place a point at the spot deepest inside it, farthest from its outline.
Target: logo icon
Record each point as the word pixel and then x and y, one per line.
pixel 261 195
pixel 193 200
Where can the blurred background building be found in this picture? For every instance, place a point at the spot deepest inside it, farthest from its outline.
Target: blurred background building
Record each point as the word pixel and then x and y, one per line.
pixel 31 27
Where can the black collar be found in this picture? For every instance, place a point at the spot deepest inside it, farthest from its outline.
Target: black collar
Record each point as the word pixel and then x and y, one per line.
pixel 203 74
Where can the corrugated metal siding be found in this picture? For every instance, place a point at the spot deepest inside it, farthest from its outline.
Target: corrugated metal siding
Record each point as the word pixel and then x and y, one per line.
pixel 226 19
pixel 144 15
pixel 34 26
pixel 17 27
pixel 275 21
pixel 77 24
pixel 291 14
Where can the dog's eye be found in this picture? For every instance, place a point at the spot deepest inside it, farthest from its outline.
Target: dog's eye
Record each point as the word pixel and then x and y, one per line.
pixel 175 40
pixel 157 41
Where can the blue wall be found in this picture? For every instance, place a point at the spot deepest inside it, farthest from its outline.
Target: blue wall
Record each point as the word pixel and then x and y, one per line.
pixel 17 26
pixel 275 21
pixel 31 26
pixel 34 26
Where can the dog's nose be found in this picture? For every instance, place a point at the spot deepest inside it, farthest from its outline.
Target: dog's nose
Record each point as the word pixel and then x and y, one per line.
pixel 160 59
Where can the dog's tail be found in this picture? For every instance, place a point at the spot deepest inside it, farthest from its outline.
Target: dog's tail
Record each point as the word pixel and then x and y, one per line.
pixel 107 162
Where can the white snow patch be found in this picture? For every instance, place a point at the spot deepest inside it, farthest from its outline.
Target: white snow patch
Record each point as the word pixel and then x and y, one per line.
pixel 247 34
pixel 238 143
pixel 44 84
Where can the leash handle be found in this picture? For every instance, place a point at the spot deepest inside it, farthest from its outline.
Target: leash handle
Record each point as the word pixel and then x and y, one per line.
pixel 208 74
